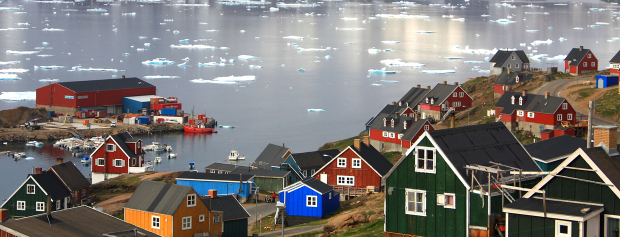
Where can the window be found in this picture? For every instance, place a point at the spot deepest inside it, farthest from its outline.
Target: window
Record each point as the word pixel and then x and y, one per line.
pixel 564 105
pixel 110 147
pixel 83 192
pixel 21 205
pixel 305 173
pixel 461 94
pixel 589 55
pixel 191 200
pixel 559 117
pixel 415 202
pixel 311 201
pixel 512 99
pixel 520 113
pixel 450 200
pixel 186 223
pixel 426 127
pixel 133 162
pixel 330 195
pixel 456 104
pixel 516 80
pixel 569 117
pixel 40 206
pixel 530 114
pixel 342 162
pixel 392 124
pixel 520 100
pixel 386 134
pixel 138 144
pixel 312 171
pixel 216 219
pixel 30 189
pixel 455 94
pixel 509 65
pixel 213 171
pixel 155 222
pixel 616 66
pixel 346 180
pixel 356 163
pixel 384 124
pixel 425 160
pixel 585 64
pixel 517 65
pixel 400 136
pixel 58 206
pixel 201 218
pixel 562 228
pixel 512 57
pixel 392 135
pixel 119 163
pixel 593 64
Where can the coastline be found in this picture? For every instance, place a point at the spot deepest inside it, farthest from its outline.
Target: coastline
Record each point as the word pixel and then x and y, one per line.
pixel 18 135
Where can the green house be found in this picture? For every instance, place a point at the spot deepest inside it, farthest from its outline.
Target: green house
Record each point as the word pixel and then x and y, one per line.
pixel 431 192
pixel 582 199
pixel 235 216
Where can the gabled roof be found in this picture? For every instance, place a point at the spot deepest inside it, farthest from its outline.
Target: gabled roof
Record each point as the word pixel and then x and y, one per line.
pixel 502 56
pixel 616 58
pixel 555 209
pixel 48 181
pixel 158 197
pixel 314 159
pixel 106 84
pixel 272 155
pixel 221 166
pixel 245 170
pixel 389 113
pixel 72 222
pixel 576 55
pixel 414 129
pixel 532 103
pixel 510 79
pixel 557 147
pixel 311 183
pixel 215 177
pixel 121 139
pixel 231 208
pixel 414 96
pixel 370 155
pixel 439 94
pixel 70 176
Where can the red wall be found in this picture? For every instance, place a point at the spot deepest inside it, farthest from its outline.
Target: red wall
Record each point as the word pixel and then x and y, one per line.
pixel 364 176
pixel 498 89
pixel 465 100
pixel 378 135
pixel 95 98
pixel 540 118
pixel 614 70
pixel 578 69
pixel 408 144
pixel 55 94
pixel 118 154
pixel 429 107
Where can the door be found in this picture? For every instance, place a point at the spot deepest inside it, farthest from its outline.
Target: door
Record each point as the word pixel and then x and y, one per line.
pixel 600 83
pixel 324 178
pixel 592 226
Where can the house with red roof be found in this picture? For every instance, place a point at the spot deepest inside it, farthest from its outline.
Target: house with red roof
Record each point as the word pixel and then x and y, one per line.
pixel 579 61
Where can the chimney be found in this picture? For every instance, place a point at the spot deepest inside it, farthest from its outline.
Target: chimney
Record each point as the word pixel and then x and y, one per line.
pixel 356 144
pixel 283 145
pixel 524 93
pixel 59 161
pixel 38 170
pixel 415 116
pixel 4 214
pixel 212 193
pixel 607 135
pixel 509 71
pixel 456 83
pixel 428 87
pixel 580 48
pixel 546 95
pixel 393 102
pixel 445 82
pixel 366 140
pixel 419 85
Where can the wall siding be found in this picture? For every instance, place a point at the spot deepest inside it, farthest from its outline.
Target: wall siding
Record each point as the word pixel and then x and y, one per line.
pixel 364 176
pixel 142 219
pixel 31 199
pixel 223 188
pixel 236 228
pixel 296 203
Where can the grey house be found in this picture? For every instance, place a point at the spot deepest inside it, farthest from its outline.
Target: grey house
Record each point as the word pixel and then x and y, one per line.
pixel 514 61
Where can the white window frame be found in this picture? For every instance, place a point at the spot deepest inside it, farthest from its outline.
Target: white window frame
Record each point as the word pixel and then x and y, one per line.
pixel 456 104
pixel 426 127
pixel 423 201
pixel 455 94
pixel 512 57
pixel 516 65
pixel 330 195
pixel 311 201
pixel 589 55
pixel 201 218
pixel 426 159
pixel 585 64
pixel 138 144
pixel 559 223
pixel 98 161
pixel 115 161
pixel 520 113
pixel 569 116
pixel 453 205
pixel 358 161
pixel 461 94
pixel 213 171
pixel 28 186
pixel 386 134
pixel 345 180
pixel 155 220
pixel 108 146
pixel 134 161
pixel 509 65
pixel 400 136
pixel 520 100
pixel 530 114
pixel 186 223
pixel 21 205
pixel 593 64
pixel 559 117
pixel 392 135
pixel 58 204
pixel 341 163
pixel 40 206
pixel 564 106
pixel 218 219
pixel 191 200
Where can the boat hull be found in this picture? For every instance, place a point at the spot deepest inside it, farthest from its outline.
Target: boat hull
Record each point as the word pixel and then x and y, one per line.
pixel 198 130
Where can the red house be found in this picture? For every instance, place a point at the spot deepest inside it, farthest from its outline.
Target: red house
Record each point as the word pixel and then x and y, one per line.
pixel 615 65
pixel 68 97
pixel 505 80
pixel 534 113
pixel 355 169
pixel 579 61
pixel 395 128
pixel 442 99
pixel 120 154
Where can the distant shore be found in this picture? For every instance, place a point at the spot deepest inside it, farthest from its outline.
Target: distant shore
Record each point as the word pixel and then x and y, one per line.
pixel 18 135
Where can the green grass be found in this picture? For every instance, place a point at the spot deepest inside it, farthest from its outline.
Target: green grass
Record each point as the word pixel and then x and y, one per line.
pixel 340 145
pixel 525 137
pixel 374 228
pixel 608 104
pixel 121 216
pixel 583 93
pixel 393 156
pixel 475 81
pixel 487 120
pixel 267 221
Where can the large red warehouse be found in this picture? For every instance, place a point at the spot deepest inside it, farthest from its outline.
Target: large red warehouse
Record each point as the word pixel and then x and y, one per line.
pixel 67 97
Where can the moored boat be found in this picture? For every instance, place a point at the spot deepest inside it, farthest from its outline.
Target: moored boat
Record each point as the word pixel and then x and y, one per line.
pixel 195 129
pixel 234 155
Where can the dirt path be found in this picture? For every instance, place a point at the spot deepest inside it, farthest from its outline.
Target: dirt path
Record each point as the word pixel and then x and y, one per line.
pixel 114 204
pixel 581 105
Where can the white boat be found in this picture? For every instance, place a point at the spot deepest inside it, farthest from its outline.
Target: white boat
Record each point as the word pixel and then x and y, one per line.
pixel 34 143
pixel 234 155
pixel 172 156
pixel 20 154
pixel 157 160
pixel 85 160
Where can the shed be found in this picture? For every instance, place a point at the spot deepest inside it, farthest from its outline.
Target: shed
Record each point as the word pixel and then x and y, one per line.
pixel 134 104
pixel 307 200
pixel 225 184
pixel 235 216
pixel 604 81
pixel 548 154
pixel 266 180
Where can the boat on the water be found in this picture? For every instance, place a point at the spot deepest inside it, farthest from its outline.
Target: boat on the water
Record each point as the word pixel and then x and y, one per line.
pixel 234 155
pixel 157 160
pixel 20 155
pixel 172 156
pixel 196 129
pixel 85 160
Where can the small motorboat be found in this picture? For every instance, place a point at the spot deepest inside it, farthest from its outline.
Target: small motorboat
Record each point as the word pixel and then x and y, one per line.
pixel 20 155
pixel 234 155
pixel 172 156
pixel 31 143
pixel 157 160
pixel 157 147
pixel 85 160
pixel 196 129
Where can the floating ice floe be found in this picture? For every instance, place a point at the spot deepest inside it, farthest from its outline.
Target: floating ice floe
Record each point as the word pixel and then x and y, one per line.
pixel 531 31
pixel 562 39
pixel 349 18
pixel 48 80
pixel 211 64
pixel 248 57
pixel 537 13
pixel 539 42
pixel 242 2
pixel 458 19
pixel 9 76
pixel 316 110
pixel 256 66
pixel 557 57
pixel 90 69
pixel 301 69
pixel 9 62
pixel 502 21
pixel 350 29
pixel 613 39
pixel 578 28
pixel 457 48
pixel 10 8
pixel 400 63
pixel 14 70
pixel 376 84
pixel 184 41
pixel 425 32
pixel 602 23
pixel 158 61
pixel 389 81
pixel 191 5
pixel 128 14
pixel 452 58
pixel 211 81
pixel 160 77
pixel 96 10
pixel 382 71
pixel 212 30
pixel 401 16
pixel 274 9
pixel 192 46
pixel 21 52
pixel 52 29
pixel 473 62
pixel 437 71
pixel 294 37
pixel 390 42
pixel 10 29
pixel 52 67
pixel 295 5
pixel 18 96
pixel 313 49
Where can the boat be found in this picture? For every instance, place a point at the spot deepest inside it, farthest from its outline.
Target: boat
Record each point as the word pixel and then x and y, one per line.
pixel 85 160
pixel 20 155
pixel 158 147
pixel 234 155
pixel 196 129
pixel 157 160
pixel 172 156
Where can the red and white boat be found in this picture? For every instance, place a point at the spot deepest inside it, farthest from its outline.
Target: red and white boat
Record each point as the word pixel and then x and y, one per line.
pixel 196 129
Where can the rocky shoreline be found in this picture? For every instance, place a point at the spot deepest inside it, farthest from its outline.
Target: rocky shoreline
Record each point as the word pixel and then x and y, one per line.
pixel 16 135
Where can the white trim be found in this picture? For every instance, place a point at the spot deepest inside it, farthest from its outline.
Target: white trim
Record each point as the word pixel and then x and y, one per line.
pixel 225 181
pixel 110 150
pixel 424 169
pixel 564 223
pixel 605 216
pixel 17 206
pixel 97 161
pixel 310 199
pixel 188 201
pixel 34 189
pixel 453 206
pixel 553 215
pixel 201 218
pixel 37 206
pixel 358 155
pixel 298 185
pixel 25 181
pixel 189 225
pixel 118 166
pixel 345 179
pixel 353 160
pixel 344 161
pixel 415 192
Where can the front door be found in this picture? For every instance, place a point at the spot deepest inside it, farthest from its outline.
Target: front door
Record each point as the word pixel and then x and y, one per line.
pixel 600 83
pixel 324 178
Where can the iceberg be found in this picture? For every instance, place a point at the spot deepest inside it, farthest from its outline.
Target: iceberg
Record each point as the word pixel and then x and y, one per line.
pixel 293 37
pixel 90 69
pixel 390 42
pixel 316 110
pixel 350 29
pixel 389 81
pixel 451 58
pixel 8 76
pixel 437 71
pixel 235 78
pixel 248 57
pixel 158 61
pixel 7 29
pixel 9 62
pixel 539 42
pixel 160 77
pixel 473 62
pixel 255 66
pixel 313 49
pixel 208 64
pixel 96 10
pixel 425 32
pixel 48 67
pixel 48 80
pixel 400 63
pixel 211 81
pixel 52 29
pixel 382 71
pixel 21 52
pixel 14 70
pixel 374 51
pixel 191 46
pixel 18 96
pixel 286 5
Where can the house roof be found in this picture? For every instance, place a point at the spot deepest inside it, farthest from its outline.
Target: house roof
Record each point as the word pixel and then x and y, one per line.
pixel 272 155
pixel 106 84
pixel 245 170
pixel 373 158
pixel 221 166
pixel 440 93
pixel 232 209
pixel 314 159
pixel 510 79
pixel 312 183
pixel 71 176
pixel 121 139
pixel 414 129
pixel 414 96
pixel 52 185
pixel 532 103
pixel 616 58
pixel 576 55
pixel 158 197
pixel 215 177
pixel 502 56
pixel 388 113
pixel 557 147
pixel 608 165
pixel 77 221
pixel 535 206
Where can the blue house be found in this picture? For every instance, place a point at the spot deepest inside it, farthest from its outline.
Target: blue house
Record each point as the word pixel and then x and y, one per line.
pixel 225 184
pixel 308 200
pixel 550 153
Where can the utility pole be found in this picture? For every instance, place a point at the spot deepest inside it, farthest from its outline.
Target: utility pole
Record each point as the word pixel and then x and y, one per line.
pixel 590 114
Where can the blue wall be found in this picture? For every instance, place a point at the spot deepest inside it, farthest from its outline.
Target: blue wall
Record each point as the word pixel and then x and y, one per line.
pixel 607 81
pixel 223 188
pixel 296 203
pixel 548 166
pixel 134 106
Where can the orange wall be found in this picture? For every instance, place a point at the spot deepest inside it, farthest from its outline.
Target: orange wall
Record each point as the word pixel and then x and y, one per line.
pixel 142 219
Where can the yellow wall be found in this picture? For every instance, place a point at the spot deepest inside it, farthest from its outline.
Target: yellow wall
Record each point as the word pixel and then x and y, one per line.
pixel 142 219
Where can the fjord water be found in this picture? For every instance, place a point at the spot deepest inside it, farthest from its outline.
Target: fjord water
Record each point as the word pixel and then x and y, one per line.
pixel 273 108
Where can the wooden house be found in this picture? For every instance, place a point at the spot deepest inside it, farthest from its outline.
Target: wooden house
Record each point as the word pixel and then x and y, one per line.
pixel 171 210
pixel 235 217
pixel 307 163
pixel 431 190
pixel 509 60
pixel 356 169
pixel 308 200
pixel 120 154
pixel 614 65
pixel 61 187
pixel 532 112
pixel 272 157
pixel 266 180
pixel 395 130
pixel 443 99
pixel 239 185
pixel 580 60
pixel 220 168
pixel 507 79
pixel 72 222
pixel 548 154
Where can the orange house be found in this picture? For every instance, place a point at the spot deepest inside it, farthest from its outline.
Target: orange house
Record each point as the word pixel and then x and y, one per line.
pixel 171 210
